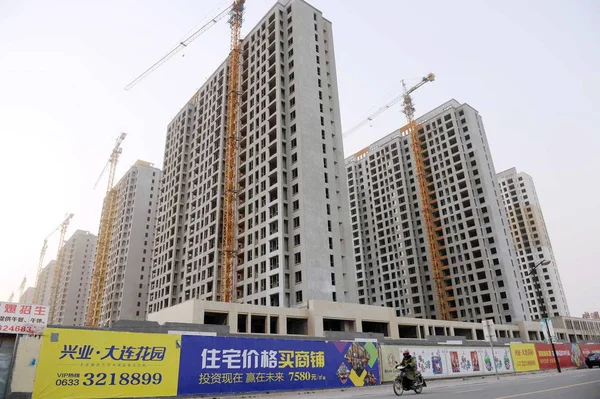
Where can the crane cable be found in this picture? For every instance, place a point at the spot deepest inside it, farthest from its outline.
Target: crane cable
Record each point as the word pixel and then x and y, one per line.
pixel 183 44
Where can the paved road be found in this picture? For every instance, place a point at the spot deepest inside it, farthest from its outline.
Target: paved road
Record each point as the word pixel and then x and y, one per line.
pixel 571 384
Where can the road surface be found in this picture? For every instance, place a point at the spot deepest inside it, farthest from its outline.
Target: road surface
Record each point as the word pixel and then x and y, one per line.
pixel 571 384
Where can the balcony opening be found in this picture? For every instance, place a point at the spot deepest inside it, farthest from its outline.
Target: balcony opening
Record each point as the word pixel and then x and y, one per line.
pixel 214 318
pixel 242 323
pixel 376 327
pixel 258 324
pixel 407 331
pixel 297 326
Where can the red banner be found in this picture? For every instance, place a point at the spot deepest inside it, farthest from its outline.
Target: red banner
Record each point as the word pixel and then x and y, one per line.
pixel 569 355
pixel 586 349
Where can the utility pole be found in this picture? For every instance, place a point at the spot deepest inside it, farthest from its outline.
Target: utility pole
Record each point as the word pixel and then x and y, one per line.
pixel 543 310
pixel 489 334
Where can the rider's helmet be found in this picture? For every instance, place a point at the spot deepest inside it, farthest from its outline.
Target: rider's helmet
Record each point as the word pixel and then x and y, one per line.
pixel 406 353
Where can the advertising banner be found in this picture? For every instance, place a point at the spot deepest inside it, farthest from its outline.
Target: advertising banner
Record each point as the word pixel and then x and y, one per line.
pixel 479 360
pixel 22 318
pixel 436 361
pixel 430 360
pixel 524 357
pixel 98 364
pixel 586 349
pixel 215 365
pixel 569 355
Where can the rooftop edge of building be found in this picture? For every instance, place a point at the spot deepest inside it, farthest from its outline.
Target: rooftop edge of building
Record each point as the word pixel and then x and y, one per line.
pixel 511 171
pixel 452 103
pixel 278 3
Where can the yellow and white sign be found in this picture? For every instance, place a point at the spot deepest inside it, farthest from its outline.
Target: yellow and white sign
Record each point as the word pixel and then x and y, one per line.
pixel 98 364
pixel 524 357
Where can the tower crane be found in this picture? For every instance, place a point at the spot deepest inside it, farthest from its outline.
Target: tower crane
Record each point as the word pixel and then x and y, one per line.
pixel 11 297
pixel 181 45
pixel 229 247
pixel 104 235
pixel 36 292
pixel 426 188
pixel 58 269
pixel 229 253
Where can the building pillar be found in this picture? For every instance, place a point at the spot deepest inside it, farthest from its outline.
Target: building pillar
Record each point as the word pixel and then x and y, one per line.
pixel 393 326
pixel 283 324
pixel 358 324
pixel 315 326
pixel 232 320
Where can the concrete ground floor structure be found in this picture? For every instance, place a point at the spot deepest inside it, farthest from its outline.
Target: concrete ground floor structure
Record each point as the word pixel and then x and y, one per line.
pixel 326 319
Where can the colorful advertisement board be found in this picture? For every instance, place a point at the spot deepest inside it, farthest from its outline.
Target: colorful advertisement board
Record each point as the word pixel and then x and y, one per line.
pixel 217 365
pixel 438 361
pixel 23 318
pixel 524 357
pixel 569 355
pixel 97 364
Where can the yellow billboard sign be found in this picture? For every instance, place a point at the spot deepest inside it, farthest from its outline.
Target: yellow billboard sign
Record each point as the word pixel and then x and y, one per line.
pixel 99 364
pixel 524 357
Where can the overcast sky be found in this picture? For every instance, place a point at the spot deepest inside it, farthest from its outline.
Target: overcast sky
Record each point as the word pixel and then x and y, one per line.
pixel 530 68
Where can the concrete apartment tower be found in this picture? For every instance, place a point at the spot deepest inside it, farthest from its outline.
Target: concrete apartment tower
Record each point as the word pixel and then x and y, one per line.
pixel 125 293
pixel 73 286
pixel 532 242
pixel 389 236
pixel 293 213
pixel 45 283
pixel 27 296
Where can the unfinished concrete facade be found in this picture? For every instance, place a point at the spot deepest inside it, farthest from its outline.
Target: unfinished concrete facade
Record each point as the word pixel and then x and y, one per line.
pixel 326 319
pixel 44 284
pixel 74 282
pixel 125 294
pixel 390 248
pixel 532 243
pixel 27 296
pixel 293 211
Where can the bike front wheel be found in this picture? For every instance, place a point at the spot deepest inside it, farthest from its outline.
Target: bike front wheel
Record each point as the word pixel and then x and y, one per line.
pixel 398 389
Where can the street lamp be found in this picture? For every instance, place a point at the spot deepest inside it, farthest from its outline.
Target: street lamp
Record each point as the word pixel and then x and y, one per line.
pixel 542 305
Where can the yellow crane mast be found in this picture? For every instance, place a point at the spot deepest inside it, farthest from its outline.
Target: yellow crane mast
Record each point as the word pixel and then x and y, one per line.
pixel 443 283
pixel 58 269
pixel 229 253
pixel 229 247
pixel 36 292
pixel 104 235
pixel 427 194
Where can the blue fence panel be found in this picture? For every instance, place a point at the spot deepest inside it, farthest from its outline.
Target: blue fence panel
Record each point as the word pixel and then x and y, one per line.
pixel 213 365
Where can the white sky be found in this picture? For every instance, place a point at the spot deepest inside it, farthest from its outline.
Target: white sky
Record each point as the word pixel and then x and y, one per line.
pixel 530 68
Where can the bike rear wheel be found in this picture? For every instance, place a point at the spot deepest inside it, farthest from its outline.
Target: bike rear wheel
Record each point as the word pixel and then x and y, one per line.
pixel 398 389
pixel 419 389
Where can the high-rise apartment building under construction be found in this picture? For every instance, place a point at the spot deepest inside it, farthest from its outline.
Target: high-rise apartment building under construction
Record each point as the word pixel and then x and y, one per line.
pixel 391 252
pixel 69 299
pixel 532 243
pixel 44 285
pixel 292 221
pixel 125 294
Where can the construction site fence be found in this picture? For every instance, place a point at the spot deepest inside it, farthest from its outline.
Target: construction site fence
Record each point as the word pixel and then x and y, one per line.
pixel 75 363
